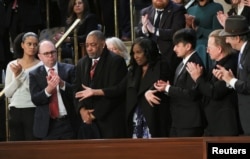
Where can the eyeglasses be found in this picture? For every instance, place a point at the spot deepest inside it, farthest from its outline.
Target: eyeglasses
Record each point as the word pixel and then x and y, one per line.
pixel 53 52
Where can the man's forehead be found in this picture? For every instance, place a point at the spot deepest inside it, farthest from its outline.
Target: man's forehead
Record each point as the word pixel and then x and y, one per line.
pixel 46 47
pixel 91 38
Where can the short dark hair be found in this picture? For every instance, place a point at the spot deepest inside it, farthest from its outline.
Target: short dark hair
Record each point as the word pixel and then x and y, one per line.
pixel 185 35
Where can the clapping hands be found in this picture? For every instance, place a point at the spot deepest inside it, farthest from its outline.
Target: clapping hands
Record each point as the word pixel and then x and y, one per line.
pixel 16 68
pixel 146 24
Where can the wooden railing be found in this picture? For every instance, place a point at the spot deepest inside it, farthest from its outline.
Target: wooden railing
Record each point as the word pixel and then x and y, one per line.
pixel 164 148
pixel 188 148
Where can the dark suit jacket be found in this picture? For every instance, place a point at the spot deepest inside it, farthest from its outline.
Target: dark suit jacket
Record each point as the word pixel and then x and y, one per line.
pixel 242 86
pixel 243 74
pixel 29 11
pixel 220 102
pixel 109 112
pixel 185 100
pixel 135 90
pixel 37 85
pixel 172 20
pixel 245 12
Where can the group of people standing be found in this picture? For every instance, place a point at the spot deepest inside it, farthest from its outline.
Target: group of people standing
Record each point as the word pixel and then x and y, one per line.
pixel 165 90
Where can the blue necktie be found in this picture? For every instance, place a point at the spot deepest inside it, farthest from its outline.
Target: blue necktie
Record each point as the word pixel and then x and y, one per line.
pixel 239 58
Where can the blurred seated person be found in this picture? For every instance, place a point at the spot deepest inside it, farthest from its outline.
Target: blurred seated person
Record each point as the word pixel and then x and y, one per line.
pixel 116 45
pixel 78 9
pixel 202 18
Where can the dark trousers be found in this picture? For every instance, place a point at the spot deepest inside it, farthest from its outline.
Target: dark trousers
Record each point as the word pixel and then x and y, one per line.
pixel 186 132
pixel 107 17
pixel 60 129
pixel 21 124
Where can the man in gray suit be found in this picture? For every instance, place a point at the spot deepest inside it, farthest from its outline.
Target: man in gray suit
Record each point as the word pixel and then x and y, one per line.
pixel 236 30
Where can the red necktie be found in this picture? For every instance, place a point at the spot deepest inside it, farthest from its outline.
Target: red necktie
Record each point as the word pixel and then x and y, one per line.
pixel 14 5
pixel 92 70
pixel 53 104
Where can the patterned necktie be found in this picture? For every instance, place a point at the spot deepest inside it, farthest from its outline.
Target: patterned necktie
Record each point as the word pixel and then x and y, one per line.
pixel 158 18
pixel 53 104
pixel 178 71
pixel 92 70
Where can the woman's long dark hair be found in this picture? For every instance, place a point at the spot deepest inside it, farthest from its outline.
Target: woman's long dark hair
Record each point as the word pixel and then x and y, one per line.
pixel 150 50
pixel 72 16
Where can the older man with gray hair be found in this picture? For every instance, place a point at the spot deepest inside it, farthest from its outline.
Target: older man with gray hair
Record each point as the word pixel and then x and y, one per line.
pixel 236 31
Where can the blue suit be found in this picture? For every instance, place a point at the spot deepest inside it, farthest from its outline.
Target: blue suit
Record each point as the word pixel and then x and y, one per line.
pixel 38 83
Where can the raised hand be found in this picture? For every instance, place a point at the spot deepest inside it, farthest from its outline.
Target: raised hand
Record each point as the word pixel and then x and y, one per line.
pixel 222 74
pixel 52 80
pixel 194 70
pixel 16 68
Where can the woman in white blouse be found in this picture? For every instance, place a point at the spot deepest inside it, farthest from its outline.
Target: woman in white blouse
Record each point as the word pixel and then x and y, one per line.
pixel 21 108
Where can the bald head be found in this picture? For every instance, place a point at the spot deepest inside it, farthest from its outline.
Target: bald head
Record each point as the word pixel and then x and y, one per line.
pixel 47 53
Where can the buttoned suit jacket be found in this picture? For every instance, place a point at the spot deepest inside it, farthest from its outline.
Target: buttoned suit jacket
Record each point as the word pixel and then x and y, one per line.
pixel 109 112
pixel 220 102
pixel 172 20
pixel 38 83
pixel 185 99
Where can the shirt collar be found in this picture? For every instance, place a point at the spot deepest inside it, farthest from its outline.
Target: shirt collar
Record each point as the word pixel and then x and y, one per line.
pixel 93 60
pixel 187 58
pixel 243 47
pixel 54 67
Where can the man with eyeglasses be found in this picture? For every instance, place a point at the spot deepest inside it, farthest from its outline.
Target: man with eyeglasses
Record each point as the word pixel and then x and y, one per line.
pixel 102 117
pixel 52 92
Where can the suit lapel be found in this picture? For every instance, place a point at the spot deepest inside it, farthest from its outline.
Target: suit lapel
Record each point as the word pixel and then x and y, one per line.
pixel 165 15
pixel 152 15
pixel 184 71
pixel 59 68
pixel 100 65
pixel 245 52
pixel 42 76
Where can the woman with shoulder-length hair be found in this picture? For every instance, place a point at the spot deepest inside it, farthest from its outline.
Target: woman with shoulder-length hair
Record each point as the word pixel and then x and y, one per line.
pixel 78 9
